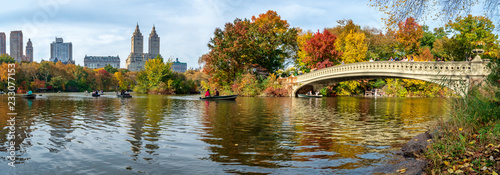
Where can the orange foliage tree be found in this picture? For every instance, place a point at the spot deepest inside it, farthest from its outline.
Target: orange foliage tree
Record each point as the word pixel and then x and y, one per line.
pixel 409 35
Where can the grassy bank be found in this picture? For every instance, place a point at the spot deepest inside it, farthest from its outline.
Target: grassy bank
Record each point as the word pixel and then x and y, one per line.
pixel 468 142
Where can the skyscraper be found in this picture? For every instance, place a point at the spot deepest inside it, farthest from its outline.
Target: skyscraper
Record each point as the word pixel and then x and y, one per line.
pixel 16 45
pixel 61 51
pixel 137 58
pixel 154 44
pixel 3 46
pixel 29 51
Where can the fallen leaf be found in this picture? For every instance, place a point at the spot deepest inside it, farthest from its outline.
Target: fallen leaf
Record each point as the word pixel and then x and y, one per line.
pixel 450 170
pixel 402 171
pixel 494 173
pixel 446 163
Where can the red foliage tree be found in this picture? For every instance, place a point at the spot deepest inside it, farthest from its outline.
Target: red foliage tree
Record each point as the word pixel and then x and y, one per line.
pixel 321 48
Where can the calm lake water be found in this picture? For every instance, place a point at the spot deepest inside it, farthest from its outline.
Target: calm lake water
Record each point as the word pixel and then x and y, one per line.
pixel 73 133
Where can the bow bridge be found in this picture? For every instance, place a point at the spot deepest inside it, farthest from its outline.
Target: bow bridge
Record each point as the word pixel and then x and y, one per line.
pixel 456 75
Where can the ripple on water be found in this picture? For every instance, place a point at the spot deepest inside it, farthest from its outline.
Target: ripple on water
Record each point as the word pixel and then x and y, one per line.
pixel 73 133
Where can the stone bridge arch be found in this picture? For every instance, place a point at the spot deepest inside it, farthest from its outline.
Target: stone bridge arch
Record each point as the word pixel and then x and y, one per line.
pixel 457 76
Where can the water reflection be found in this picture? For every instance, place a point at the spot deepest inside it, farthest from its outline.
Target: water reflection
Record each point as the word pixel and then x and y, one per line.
pixel 347 132
pixel 152 134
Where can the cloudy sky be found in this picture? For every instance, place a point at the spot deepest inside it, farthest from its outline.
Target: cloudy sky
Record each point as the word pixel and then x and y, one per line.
pixel 104 27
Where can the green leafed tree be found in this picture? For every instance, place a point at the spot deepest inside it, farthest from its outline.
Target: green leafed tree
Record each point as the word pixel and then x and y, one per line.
pixel 4 58
pixel 472 32
pixel 155 75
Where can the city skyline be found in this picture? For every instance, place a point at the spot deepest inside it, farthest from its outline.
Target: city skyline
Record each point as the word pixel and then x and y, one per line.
pixel 104 28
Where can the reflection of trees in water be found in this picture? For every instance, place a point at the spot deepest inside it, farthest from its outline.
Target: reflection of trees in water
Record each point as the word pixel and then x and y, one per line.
pixel 319 137
pixel 24 123
pixel 146 124
pixel 250 132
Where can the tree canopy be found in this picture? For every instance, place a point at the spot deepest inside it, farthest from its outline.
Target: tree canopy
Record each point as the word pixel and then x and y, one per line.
pixel 400 10
pixel 266 41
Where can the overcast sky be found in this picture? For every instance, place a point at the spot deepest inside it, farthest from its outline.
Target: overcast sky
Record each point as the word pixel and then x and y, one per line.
pixel 104 27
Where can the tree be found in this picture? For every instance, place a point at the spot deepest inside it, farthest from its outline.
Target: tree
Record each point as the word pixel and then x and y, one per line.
pixel 122 84
pixel 104 79
pixel 46 69
pixel 399 10
pixel 4 58
pixel 409 35
pixel 380 44
pixel 321 47
pixel 110 69
pixel 469 31
pixel 426 55
pixel 273 39
pixel 155 75
pixel 267 41
pixel 428 37
pixel 229 53
pixel 353 47
pixel 302 39
pixel 58 83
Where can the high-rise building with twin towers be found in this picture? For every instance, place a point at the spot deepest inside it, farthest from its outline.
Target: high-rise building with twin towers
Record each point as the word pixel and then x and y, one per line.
pixel 137 58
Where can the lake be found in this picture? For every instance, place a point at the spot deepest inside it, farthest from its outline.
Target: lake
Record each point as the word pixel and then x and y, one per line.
pixel 74 133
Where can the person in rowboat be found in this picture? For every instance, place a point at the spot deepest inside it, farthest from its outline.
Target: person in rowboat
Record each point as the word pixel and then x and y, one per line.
pixel 207 94
pixel 216 93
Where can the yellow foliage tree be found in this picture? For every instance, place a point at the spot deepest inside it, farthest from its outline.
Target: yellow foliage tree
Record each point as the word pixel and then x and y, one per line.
pixel 301 52
pixel 122 83
pixel 353 46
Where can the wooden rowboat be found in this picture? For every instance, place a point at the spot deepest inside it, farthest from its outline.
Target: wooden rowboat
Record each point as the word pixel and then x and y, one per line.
pixel 124 96
pixel 227 97
pixel 30 96
pixel 310 96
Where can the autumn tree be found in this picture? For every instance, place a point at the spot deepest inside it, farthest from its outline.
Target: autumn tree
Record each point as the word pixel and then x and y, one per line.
pixel 380 44
pixel 273 40
pixel 321 48
pixel 229 53
pixel 408 35
pixel 122 84
pixel 104 79
pixel 266 40
pixel 302 39
pixel 353 47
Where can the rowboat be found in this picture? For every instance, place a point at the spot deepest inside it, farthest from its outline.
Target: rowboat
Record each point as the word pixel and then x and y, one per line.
pixel 310 96
pixel 96 95
pixel 30 96
pixel 227 97
pixel 124 96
